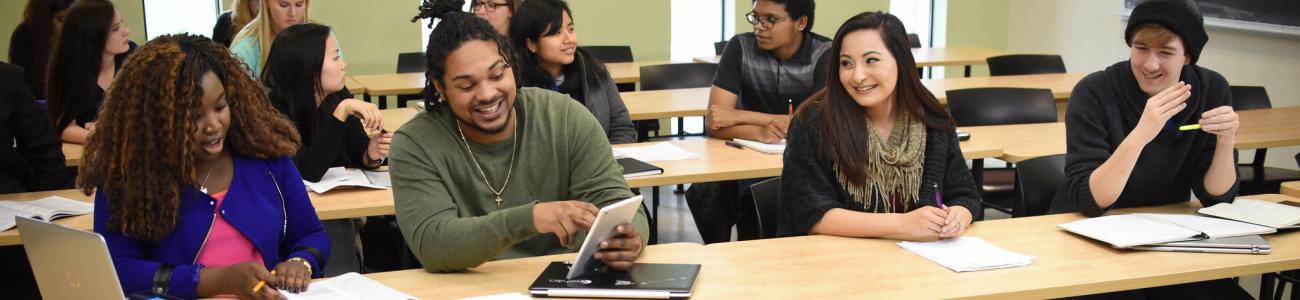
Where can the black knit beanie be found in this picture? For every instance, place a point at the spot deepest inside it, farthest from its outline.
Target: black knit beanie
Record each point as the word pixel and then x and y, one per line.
pixel 1179 16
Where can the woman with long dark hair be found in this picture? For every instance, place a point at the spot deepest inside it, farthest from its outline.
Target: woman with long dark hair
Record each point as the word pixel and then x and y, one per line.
pixel 543 37
pixel 195 193
pixel 92 45
pixel 872 154
pixel 304 75
pixel 33 39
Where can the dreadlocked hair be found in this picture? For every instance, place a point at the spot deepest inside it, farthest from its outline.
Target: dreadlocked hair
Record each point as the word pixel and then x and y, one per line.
pixel 455 28
pixel 142 154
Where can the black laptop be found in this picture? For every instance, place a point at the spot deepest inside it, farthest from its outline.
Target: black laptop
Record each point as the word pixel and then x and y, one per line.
pixel 644 280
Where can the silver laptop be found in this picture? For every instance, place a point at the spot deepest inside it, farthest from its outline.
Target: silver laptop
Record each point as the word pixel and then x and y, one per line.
pixel 1250 244
pixel 69 263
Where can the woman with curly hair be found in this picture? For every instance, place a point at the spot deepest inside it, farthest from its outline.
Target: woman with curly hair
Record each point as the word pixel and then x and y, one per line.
pixel 182 213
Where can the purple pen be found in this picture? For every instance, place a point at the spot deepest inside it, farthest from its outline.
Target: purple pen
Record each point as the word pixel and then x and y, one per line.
pixel 938 198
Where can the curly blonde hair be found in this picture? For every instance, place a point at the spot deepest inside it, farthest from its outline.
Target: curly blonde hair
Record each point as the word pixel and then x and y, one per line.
pixel 142 153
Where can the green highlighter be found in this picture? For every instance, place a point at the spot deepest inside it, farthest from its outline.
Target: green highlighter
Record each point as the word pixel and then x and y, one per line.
pixel 1189 127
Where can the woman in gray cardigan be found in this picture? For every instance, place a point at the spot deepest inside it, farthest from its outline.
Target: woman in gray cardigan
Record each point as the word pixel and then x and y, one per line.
pixel 547 56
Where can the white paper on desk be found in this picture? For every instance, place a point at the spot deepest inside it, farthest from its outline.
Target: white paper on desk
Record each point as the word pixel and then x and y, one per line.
pixel 965 254
pixel 777 148
pixel 506 296
pixel 338 176
pixel 662 151
pixel 1214 227
pixel 347 286
pixel 1123 231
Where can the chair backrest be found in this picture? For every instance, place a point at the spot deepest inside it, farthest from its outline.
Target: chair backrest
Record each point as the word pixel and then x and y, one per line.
pixel 411 62
pixel 1249 97
pixel 609 54
pixel 677 76
pixel 1001 106
pixel 1037 180
pixel 1024 64
pixel 914 40
pixel 766 193
pixel 717 47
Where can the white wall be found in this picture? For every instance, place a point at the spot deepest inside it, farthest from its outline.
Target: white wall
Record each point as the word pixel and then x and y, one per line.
pixel 1089 34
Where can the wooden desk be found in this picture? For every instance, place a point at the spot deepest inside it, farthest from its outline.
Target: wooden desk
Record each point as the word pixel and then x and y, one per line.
pixel 1291 188
pixel 355 87
pixel 1067 264
pixel 1019 142
pixel 661 104
pixel 392 84
pixel 926 57
pixel 1061 84
pixel 339 204
pixel 72 154
pixel 817 267
pixel 1267 128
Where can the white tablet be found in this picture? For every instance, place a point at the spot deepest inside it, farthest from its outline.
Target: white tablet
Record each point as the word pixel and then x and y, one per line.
pixel 620 212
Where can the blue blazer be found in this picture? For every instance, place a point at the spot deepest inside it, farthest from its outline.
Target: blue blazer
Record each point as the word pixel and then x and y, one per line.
pixel 270 207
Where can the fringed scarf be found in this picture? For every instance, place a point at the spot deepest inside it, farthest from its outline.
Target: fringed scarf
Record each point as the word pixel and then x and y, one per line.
pixel 894 168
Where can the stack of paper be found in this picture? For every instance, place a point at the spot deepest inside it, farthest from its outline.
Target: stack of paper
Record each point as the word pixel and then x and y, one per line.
pixel 662 151
pixel 338 176
pixel 777 148
pixel 347 286
pixel 965 254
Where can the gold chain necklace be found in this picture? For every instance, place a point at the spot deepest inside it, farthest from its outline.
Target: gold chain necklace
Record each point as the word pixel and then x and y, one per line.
pixel 511 169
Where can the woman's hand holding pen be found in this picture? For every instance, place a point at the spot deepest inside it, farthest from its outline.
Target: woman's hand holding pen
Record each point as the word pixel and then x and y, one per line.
pixel 956 222
pixel 367 112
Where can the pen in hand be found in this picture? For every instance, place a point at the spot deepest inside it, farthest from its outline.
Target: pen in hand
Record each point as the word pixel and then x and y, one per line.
pixel 261 283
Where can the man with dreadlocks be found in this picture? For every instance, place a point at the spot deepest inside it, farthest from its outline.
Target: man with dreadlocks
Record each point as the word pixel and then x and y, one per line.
pixel 495 171
pixel 181 121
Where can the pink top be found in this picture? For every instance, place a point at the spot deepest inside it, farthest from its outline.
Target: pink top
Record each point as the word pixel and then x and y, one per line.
pixel 226 245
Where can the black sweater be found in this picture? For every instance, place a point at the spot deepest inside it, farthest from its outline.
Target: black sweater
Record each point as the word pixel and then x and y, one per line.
pixel 1105 107
pixel 32 156
pixel 22 53
pixel 333 144
pixel 809 187
pixel 223 32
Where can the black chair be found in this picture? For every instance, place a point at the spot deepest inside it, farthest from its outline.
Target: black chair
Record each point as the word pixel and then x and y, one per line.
pixel 1024 64
pixel 612 54
pixel 1255 177
pixel 673 76
pixel 717 47
pixel 1037 180
pixel 411 62
pixel 914 40
pixel 1000 106
pixel 766 194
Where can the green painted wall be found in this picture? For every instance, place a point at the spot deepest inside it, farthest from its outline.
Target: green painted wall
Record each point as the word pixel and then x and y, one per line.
pixel 641 24
pixel 977 23
pixel 830 14
pixel 11 14
pixel 371 33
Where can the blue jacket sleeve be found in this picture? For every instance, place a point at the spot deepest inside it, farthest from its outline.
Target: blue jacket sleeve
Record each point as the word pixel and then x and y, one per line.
pixel 134 271
pixel 304 237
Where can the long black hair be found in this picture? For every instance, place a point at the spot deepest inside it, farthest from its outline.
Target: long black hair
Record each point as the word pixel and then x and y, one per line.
pixel 535 19
pixel 292 75
pixel 39 19
pixel 74 66
pixel 455 29
pixel 843 123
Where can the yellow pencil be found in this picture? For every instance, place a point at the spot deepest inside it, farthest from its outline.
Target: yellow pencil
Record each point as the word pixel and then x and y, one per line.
pixel 261 283
pixel 1189 127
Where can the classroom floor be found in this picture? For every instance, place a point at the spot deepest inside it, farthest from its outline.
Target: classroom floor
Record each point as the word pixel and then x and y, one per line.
pixel 676 225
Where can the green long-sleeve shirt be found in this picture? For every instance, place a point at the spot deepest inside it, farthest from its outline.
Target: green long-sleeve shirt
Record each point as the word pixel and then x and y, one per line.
pixel 448 215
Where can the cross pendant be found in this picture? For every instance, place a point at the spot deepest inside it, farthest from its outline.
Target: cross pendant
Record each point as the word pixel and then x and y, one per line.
pixel 498 201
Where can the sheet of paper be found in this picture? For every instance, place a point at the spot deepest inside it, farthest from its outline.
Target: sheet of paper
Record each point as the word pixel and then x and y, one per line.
pixel 338 176
pixel 1214 227
pixel 348 286
pixel 1256 211
pixel 506 296
pixel 965 254
pixel 1129 230
pixel 777 148
pixel 662 151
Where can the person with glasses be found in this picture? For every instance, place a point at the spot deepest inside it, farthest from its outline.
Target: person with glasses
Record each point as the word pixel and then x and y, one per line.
pixel 761 77
pixel 496 12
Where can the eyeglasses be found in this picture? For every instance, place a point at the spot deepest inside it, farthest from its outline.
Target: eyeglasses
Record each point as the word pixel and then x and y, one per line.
pixel 764 23
pixel 488 6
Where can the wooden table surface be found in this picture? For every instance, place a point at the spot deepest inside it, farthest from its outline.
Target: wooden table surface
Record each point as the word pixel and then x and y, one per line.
pixel 1267 128
pixel 1061 84
pixel 1291 188
pixel 355 87
pixel 819 267
pixel 926 57
pixel 662 104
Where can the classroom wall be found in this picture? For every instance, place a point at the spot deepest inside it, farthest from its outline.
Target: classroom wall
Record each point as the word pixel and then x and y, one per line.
pixel 11 14
pixel 371 33
pixel 829 14
pixel 976 23
pixel 1089 35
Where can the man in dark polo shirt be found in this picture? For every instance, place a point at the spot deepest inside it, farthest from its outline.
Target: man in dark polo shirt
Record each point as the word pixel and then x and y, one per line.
pixel 761 77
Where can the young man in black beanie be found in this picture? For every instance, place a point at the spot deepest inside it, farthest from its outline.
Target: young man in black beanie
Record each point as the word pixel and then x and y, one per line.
pixel 1128 139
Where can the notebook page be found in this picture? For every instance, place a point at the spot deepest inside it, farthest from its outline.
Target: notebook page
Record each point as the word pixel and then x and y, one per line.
pixel 1129 230
pixel 1256 211
pixel 662 151
pixel 1214 227
pixel 776 148
pixel 964 254
pixel 348 286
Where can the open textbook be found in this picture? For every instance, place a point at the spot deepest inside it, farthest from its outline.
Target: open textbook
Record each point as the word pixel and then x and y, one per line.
pixel 1124 231
pixel 1267 213
pixel 338 176
pixel 347 286
pixel 45 209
